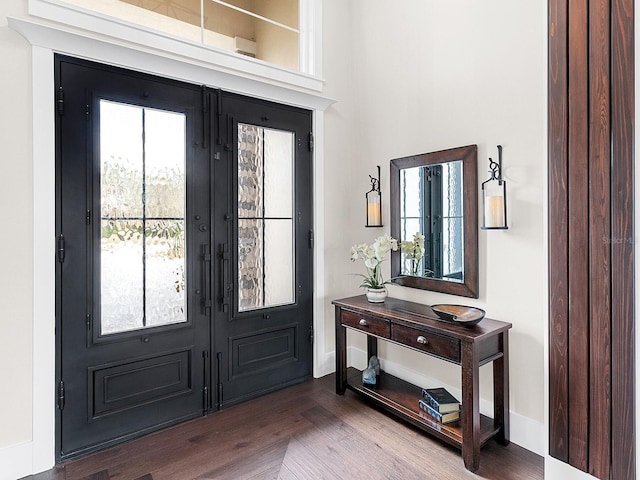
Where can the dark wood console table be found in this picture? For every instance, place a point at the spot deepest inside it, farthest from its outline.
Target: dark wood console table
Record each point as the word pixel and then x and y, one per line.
pixel 416 326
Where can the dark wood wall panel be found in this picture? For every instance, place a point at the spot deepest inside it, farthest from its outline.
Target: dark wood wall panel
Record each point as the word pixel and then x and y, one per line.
pixel 599 433
pixel 622 250
pixel 578 234
pixel 591 244
pixel 559 234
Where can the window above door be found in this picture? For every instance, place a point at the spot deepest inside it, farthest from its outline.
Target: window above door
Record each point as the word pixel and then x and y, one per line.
pixel 276 40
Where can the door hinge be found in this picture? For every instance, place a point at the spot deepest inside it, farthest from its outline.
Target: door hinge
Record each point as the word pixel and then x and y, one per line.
pixel 311 336
pixel 61 395
pixel 311 141
pixel 60 100
pixel 60 248
pixel 88 322
pixel 311 239
pixel 88 217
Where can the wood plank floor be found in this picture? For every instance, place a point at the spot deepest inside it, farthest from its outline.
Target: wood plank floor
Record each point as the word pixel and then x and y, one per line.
pixel 302 432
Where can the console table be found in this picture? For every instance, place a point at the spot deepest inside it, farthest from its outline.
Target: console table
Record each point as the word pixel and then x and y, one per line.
pixel 416 326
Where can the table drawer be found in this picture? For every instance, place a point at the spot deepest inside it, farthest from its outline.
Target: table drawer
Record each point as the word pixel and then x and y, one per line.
pixel 366 323
pixel 447 348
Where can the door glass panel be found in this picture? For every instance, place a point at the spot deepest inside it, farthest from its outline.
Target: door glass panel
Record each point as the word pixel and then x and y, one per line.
pixel 265 217
pixel 142 200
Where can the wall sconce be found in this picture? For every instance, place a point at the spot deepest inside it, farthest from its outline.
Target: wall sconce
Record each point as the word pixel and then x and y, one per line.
pixel 374 202
pixel 494 197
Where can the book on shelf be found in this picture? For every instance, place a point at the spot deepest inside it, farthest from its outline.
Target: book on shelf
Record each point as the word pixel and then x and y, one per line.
pixel 441 417
pixel 440 399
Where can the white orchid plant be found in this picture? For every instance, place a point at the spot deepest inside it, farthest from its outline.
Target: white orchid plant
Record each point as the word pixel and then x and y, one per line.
pixel 413 251
pixel 373 255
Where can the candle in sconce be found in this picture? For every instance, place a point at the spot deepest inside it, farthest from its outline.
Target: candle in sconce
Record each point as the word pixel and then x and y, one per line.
pixel 373 213
pixel 494 211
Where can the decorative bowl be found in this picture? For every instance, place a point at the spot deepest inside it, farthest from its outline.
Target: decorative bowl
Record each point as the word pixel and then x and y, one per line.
pixel 460 314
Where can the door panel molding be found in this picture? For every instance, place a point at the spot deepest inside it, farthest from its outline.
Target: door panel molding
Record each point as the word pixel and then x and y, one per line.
pixel 262 351
pixel 115 387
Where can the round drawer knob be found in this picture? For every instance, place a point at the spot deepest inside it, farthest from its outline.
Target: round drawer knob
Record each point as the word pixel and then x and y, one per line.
pixel 422 340
pixel 363 322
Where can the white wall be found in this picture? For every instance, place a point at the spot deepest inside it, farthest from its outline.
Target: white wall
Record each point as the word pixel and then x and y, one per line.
pixel 434 75
pixel 16 239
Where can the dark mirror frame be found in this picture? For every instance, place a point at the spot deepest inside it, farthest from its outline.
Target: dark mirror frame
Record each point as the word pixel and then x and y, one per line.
pixel 469 157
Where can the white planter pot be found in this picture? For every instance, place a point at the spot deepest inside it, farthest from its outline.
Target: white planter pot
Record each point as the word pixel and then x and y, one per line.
pixel 376 295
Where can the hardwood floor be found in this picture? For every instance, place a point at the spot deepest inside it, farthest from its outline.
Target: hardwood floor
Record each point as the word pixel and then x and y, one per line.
pixel 302 432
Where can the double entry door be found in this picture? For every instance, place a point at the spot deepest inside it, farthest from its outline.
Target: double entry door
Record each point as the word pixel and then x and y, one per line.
pixel 183 251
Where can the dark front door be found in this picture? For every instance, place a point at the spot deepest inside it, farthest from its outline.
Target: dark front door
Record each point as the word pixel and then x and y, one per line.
pixel 263 239
pixel 183 251
pixel 133 209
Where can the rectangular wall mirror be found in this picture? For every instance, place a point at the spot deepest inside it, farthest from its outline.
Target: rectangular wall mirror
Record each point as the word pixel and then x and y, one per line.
pixel 434 214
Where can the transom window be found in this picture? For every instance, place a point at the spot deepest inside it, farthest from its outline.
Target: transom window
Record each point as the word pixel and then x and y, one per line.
pixel 266 30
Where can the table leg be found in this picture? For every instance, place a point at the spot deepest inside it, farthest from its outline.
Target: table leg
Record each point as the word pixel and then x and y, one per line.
pixel 372 347
pixel 341 355
pixel 470 407
pixel 501 391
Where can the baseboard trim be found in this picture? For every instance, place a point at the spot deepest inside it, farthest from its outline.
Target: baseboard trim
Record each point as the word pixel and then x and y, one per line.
pixel 325 365
pixel 554 469
pixel 16 461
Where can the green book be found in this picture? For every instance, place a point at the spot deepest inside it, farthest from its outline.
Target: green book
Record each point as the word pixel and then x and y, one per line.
pixel 441 400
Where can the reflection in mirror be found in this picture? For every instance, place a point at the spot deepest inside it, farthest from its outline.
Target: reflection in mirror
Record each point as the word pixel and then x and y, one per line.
pixel 431 232
pixel 434 216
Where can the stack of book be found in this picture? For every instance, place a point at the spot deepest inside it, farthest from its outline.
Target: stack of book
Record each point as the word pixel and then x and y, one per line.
pixel 440 404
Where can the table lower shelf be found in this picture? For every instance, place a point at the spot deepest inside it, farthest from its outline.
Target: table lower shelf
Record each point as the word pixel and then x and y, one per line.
pixel 401 399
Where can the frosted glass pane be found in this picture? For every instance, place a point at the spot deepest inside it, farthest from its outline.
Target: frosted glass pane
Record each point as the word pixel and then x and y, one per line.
pixel 142 203
pixel 121 161
pixel 250 264
pixel 164 273
pixel 265 217
pixel 278 268
pixel 164 164
pixel 278 173
pixel 121 302
pixel 250 175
